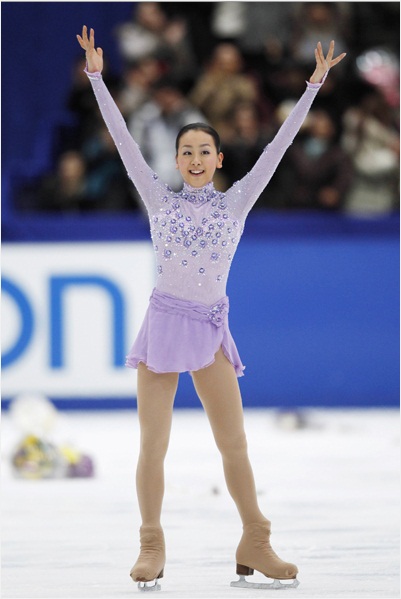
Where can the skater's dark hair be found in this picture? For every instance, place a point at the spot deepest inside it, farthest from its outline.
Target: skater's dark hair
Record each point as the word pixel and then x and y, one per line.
pixel 199 127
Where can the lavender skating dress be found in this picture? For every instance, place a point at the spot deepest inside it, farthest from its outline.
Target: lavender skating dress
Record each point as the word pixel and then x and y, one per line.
pixel 195 234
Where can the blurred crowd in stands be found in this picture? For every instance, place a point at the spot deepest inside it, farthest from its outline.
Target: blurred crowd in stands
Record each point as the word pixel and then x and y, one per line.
pixel 241 66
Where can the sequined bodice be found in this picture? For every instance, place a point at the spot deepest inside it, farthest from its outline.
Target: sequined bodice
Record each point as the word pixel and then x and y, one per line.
pixel 195 232
pixel 194 236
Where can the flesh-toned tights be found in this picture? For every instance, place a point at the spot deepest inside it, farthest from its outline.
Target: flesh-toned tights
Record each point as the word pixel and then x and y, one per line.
pixel 218 389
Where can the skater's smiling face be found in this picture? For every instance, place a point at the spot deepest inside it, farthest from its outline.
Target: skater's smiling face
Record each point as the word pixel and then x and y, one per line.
pixel 198 157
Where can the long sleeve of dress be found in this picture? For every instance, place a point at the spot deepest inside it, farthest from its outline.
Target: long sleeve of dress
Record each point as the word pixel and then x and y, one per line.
pixel 243 194
pixel 143 177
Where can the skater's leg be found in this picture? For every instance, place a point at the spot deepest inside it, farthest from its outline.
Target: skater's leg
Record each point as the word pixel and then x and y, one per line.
pixel 155 394
pixel 218 389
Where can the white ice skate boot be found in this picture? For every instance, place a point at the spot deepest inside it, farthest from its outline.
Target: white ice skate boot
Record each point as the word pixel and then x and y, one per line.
pixel 255 553
pixel 149 566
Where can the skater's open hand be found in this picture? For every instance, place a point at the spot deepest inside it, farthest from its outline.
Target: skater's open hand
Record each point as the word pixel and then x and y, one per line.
pixel 324 64
pixel 94 56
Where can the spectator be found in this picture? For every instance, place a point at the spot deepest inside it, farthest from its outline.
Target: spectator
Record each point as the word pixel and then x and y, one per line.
pixel 108 186
pixel 138 79
pixel 156 124
pixel 142 36
pixel 198 18
pixel 268 29
pixel 222 85
pixel 320 172
pixel 67 189
pixel 151 33
pixel 244 145
pixel 371 139
pixel 323 21
pixel 228 20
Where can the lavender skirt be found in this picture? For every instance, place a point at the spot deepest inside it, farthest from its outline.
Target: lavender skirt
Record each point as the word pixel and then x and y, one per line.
pixel 182 336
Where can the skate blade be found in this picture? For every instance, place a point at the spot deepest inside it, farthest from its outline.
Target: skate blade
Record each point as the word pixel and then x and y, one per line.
pixel 148 587
pixel 276 584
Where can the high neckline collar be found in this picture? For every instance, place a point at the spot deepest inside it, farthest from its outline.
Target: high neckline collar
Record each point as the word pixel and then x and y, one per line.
pixel 198 190
pixel 198 195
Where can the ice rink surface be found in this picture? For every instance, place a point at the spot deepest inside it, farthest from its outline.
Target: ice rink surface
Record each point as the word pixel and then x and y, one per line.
pixel 330 488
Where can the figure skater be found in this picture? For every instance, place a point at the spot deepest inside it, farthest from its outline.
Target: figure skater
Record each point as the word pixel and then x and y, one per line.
pixel 195 234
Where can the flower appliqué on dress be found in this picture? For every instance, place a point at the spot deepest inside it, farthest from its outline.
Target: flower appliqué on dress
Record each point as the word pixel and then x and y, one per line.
pixel 218 313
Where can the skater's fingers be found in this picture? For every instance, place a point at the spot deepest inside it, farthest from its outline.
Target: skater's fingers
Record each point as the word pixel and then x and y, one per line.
pixel 92 39
pixel 330 52
pixel 319 54
pixel 85 34
pixel 87 43
pixel 83 40
pixel 338 59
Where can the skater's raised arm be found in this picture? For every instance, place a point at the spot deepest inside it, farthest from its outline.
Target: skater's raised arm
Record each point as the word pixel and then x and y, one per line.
pixel 248 189
pixel 138 170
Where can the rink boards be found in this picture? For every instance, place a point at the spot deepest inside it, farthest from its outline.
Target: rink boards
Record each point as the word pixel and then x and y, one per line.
pixel 315 319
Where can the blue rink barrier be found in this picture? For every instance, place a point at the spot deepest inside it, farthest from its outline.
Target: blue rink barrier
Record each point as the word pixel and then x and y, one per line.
pixel 314 307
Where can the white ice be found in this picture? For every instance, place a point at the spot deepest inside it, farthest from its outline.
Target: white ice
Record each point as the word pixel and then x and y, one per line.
pixel 331 490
